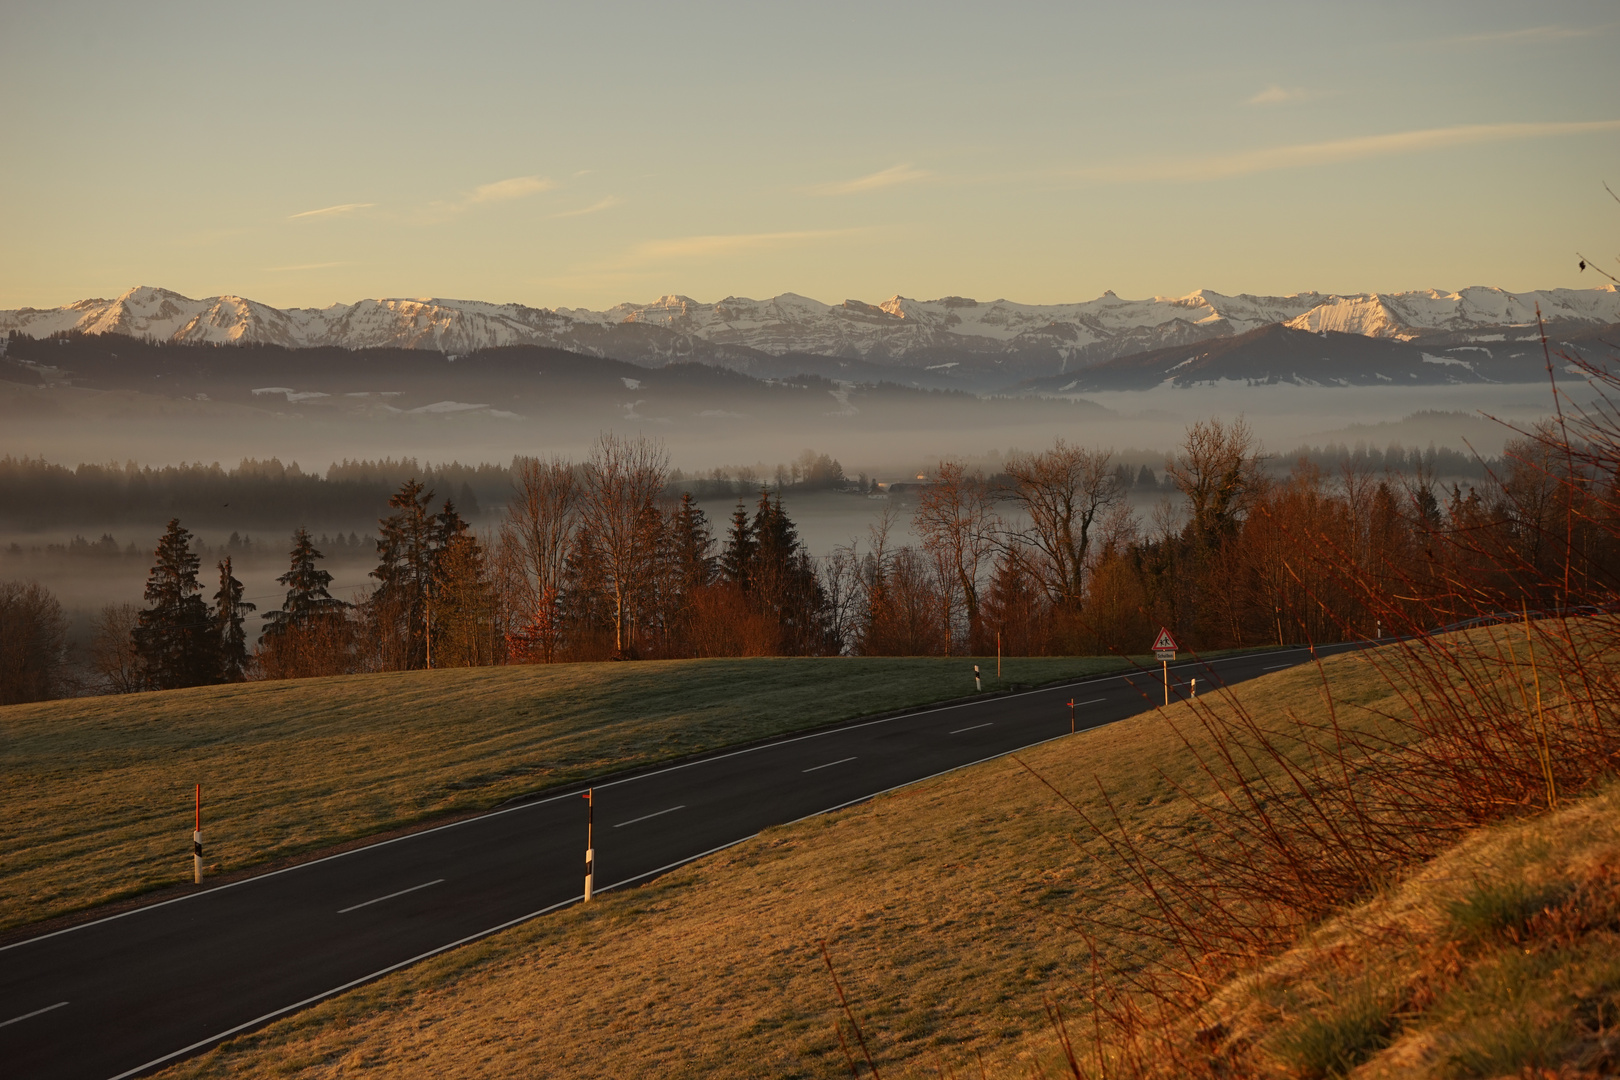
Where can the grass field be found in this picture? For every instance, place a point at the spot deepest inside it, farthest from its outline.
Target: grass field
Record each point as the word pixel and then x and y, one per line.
pixel 95 793
pixel 941 905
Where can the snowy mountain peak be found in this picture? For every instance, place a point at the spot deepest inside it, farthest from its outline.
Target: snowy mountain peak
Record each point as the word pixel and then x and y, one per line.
pixel 997 336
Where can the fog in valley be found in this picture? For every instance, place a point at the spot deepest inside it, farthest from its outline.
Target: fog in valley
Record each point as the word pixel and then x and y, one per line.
pixel 710 423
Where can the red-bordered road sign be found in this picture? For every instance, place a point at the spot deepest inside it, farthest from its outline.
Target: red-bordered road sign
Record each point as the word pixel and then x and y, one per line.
pixel 1165 642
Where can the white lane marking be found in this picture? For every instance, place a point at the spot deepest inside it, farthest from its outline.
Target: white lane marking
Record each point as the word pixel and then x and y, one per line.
pixel 975 727
pixel 350 985
pixel 545 910
pixel 390 896
pixel 30 1016
pixel 1093 701
pixel 575 793
pixel 645 817
pixel 829 764
pixel 1275 667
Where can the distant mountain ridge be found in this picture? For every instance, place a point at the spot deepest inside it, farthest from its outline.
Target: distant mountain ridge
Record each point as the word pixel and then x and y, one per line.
pixel 948 340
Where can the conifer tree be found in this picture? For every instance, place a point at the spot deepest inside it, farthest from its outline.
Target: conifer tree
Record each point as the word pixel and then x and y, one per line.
pixel 737 561
pixel 175 637
pixel 230 610
pixel 410 545
pixel 308 601
pixel 692 544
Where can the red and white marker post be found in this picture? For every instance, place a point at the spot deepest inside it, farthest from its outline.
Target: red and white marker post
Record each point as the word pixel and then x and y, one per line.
pixel 196 841
pixel 590 851
pixel 1164 648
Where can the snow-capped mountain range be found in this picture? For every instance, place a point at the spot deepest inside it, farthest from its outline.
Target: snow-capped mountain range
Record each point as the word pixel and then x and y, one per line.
pixel 996 337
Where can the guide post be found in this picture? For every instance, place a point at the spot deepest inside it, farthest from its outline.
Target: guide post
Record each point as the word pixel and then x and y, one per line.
pixel 590 850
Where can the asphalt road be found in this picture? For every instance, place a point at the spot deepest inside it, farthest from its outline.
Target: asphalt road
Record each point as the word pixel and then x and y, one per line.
pixel 133 992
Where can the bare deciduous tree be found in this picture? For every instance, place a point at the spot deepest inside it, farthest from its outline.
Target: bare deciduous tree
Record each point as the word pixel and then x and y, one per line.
pixel 1218 470
pixel 113 658
pixel 535 537
pixel 1066 491
pixel 956 519
pixel 623 478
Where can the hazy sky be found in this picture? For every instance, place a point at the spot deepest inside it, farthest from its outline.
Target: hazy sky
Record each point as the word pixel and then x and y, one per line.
pixel 586 154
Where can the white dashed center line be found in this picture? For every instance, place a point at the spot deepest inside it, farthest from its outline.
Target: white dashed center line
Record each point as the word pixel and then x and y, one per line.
pixel 1274 667
pixel 975 727
pixel 646 817
pixel 390 896
pixel 30 1016
pixel 829 764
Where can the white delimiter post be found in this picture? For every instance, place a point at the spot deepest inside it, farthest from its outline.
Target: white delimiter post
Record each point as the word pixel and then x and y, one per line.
pixel 977 686
pixel 196 841
pixel 590 852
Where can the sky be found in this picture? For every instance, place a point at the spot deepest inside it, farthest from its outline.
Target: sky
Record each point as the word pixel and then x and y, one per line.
pixel 584 155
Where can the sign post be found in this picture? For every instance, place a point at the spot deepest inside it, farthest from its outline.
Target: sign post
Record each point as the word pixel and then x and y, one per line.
pixel 1164 648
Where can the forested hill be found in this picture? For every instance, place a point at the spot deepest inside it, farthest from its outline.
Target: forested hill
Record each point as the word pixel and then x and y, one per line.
pixel 37 495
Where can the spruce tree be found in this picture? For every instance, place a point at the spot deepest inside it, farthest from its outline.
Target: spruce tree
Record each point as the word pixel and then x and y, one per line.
pixel 410 544
pixel 307 601
pixel 692 543
pixel 737 560
pixel 175 636
pixel 230 610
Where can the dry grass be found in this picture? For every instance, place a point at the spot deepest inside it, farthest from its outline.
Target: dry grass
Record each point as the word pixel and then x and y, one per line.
pixel 95 793
pixel 941 905
pixel 1499 958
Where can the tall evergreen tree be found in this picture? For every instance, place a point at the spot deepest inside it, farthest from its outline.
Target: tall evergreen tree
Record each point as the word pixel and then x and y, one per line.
pixel 692 544
pixel 410 545
pixel 737 560
pixel 230 611
pixel 308 601
pixel 175 637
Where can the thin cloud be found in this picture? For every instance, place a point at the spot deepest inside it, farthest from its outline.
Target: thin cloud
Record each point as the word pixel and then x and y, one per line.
pixel 601 204
pixel 304 266
pixel 517 187
pixel 697 247
pixel 1275 95
pixel 333 211
pixel 1524 36
pixel 1334 152
pixel 890 177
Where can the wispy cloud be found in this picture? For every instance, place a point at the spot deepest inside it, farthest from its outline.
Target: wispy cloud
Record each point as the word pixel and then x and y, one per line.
pixel 305 266
pixel 333 211
pixel 890 177
pixel 599 205
pixel 699 247
pixel 517 187
pixel 1333 152
pixel 1523 36
pixel 1276 95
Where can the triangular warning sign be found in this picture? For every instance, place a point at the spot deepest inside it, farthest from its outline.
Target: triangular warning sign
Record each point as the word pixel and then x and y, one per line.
pixel 1164 642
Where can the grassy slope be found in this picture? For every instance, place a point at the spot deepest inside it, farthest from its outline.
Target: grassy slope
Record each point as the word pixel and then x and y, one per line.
pixel 936 901
pixel 95 793
pixel 1500 956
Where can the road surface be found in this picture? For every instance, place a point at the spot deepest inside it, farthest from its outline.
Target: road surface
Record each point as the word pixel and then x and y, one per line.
pixel 131 993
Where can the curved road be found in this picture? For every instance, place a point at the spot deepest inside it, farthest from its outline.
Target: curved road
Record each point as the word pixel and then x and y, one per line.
pixel 128 994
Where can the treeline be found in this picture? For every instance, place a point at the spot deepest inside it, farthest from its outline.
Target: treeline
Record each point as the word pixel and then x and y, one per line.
pixel 598 560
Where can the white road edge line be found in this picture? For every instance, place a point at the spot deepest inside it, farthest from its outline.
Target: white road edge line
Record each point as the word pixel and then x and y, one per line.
pixel 390 896
pixel 975 727
pixel 829 764
pixel 350 985
pixel 645 817
pixel 30 1016
pixel 545 910
pixel 574 793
